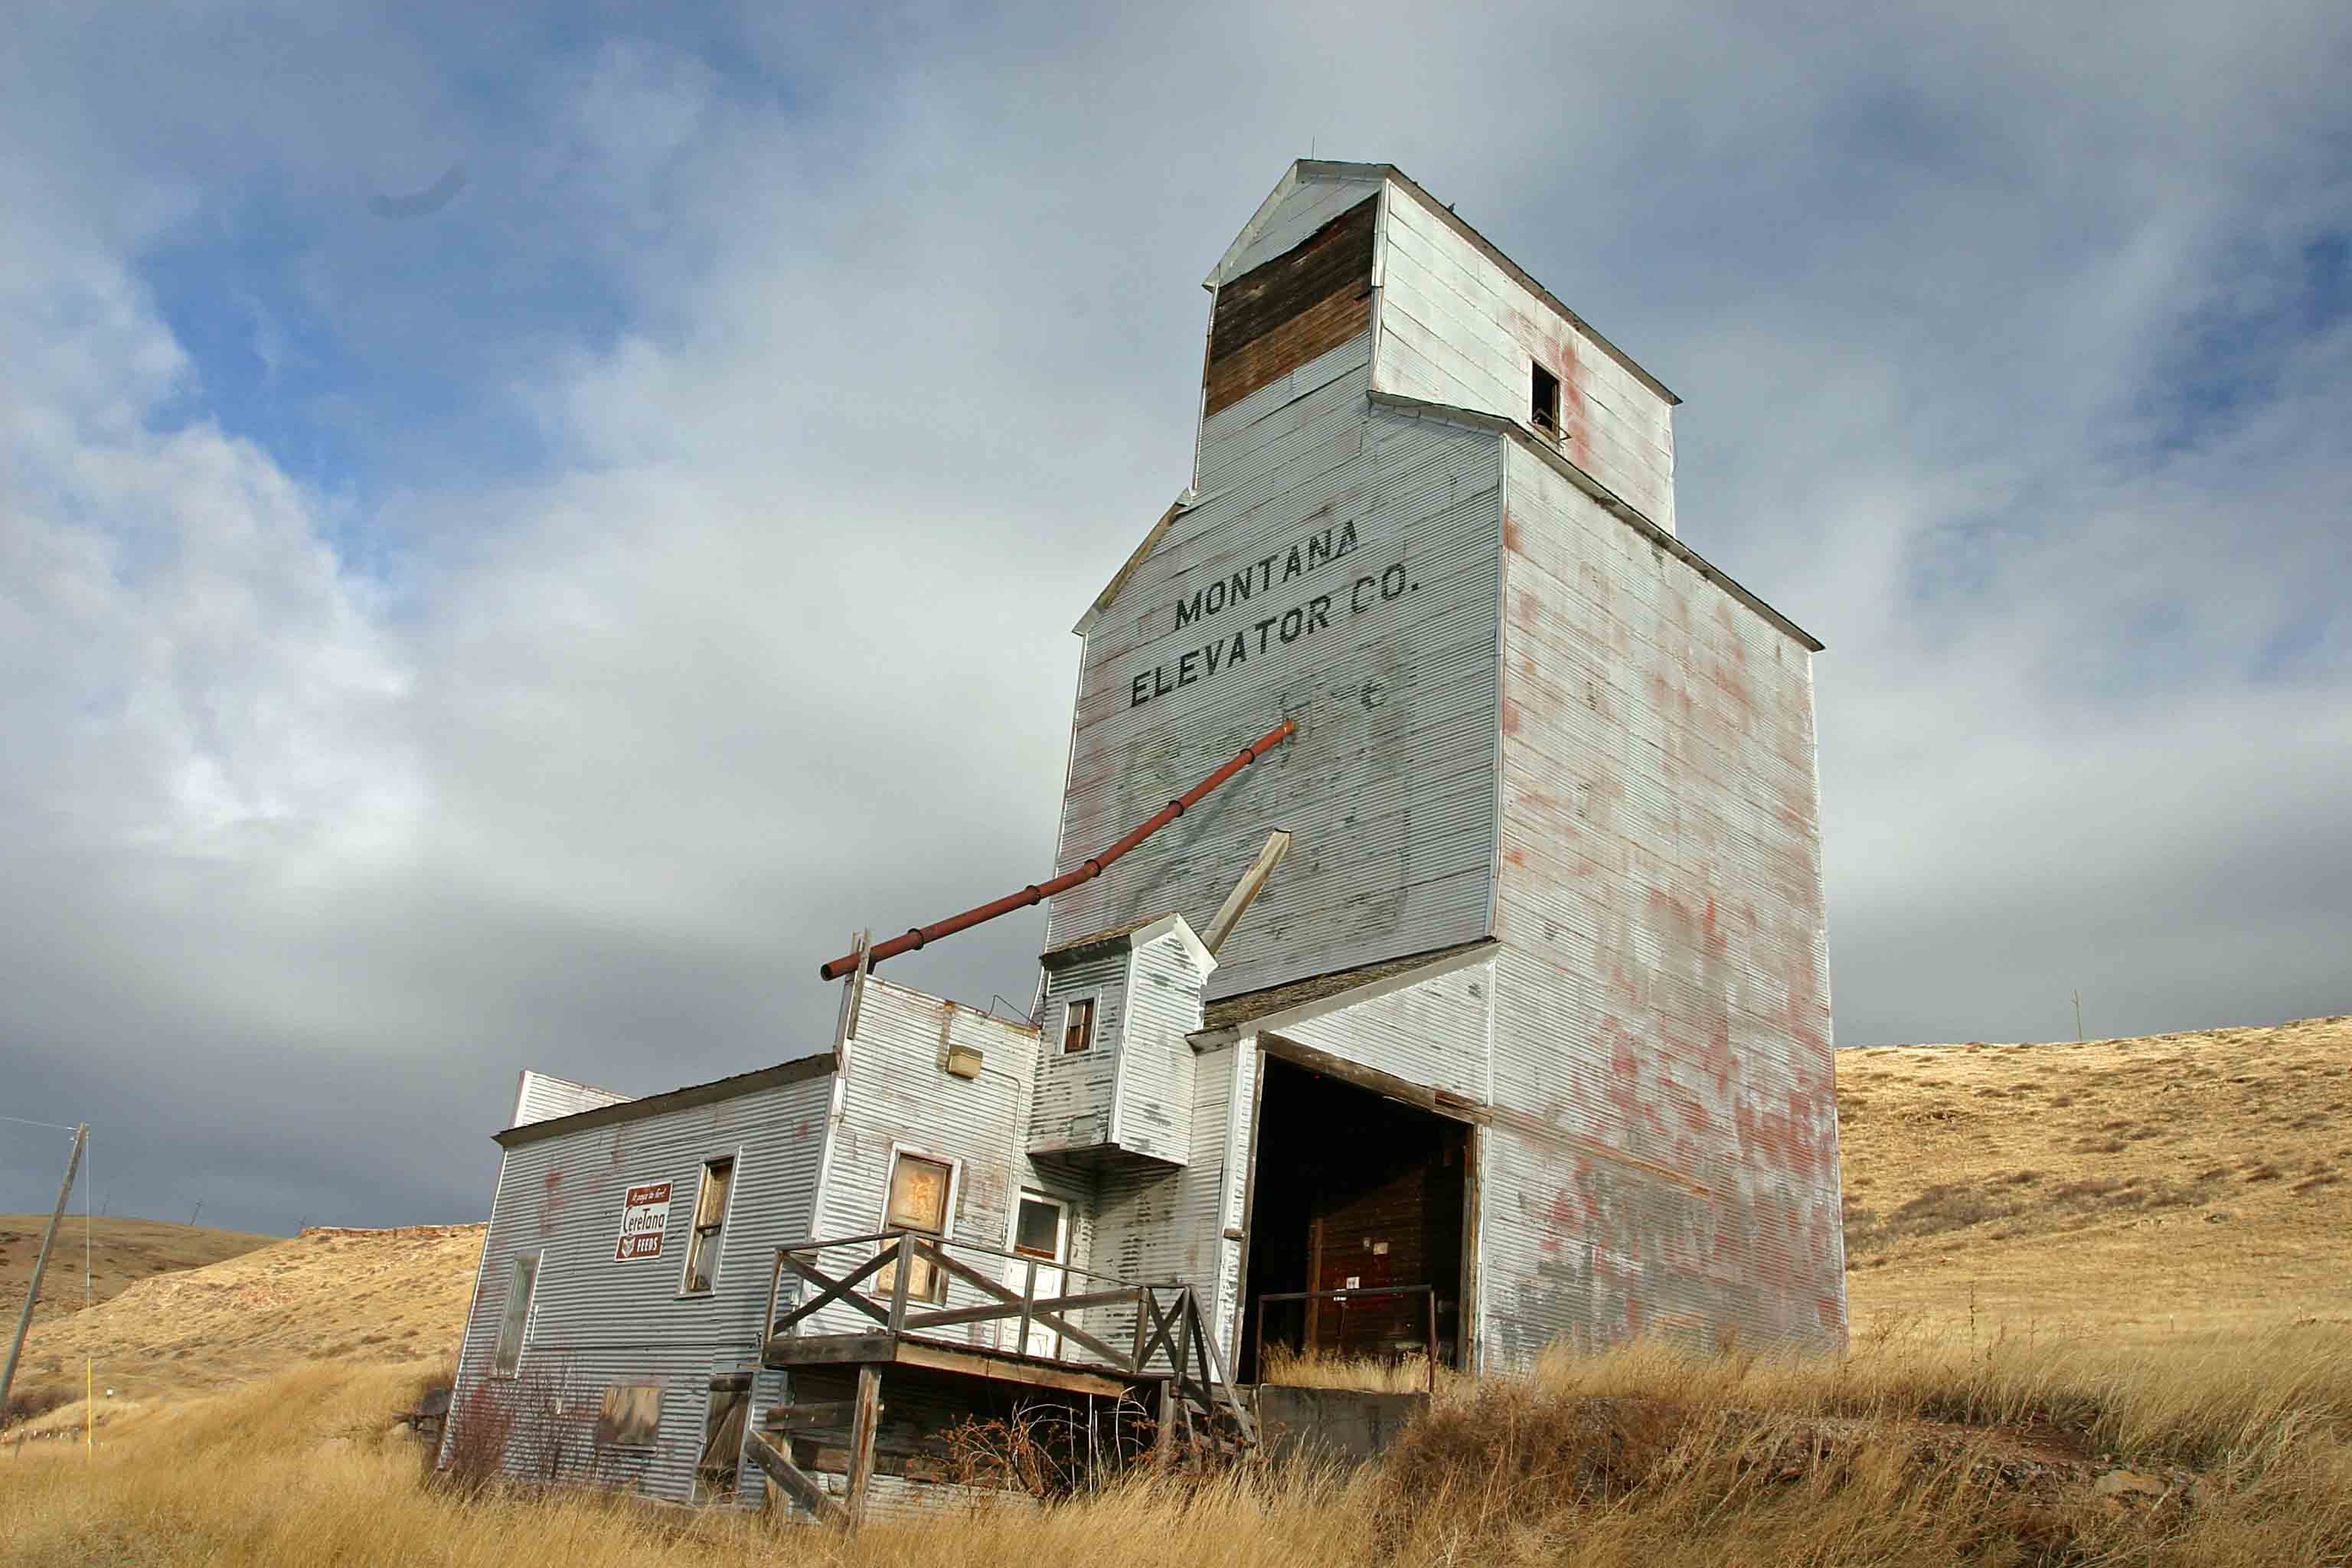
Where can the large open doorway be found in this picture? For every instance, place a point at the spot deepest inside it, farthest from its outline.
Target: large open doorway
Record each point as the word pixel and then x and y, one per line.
pixel 1353 1190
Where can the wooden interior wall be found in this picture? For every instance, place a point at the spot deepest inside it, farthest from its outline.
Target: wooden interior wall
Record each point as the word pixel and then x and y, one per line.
pixel 1302 304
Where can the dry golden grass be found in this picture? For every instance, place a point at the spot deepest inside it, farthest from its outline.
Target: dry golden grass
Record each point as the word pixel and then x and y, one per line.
pixel 2136 1189
pixel 1371 1375
pixel 382 1295
pixel 1640 1457
pixel 122 1253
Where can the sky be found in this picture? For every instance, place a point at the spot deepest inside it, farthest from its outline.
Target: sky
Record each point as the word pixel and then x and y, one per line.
pixel 521 528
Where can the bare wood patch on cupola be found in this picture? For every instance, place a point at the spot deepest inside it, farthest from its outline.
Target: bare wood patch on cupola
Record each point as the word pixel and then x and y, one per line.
pixel 1302 303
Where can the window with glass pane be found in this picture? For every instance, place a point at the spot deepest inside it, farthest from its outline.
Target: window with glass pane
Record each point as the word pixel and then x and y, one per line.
pixel 918 1201
pixel 709 1224
pixel 1038 1231
pixel 1078 1026
pixel 522 1282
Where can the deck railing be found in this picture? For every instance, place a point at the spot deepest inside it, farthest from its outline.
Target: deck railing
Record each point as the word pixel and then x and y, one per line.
pixel 1151 1332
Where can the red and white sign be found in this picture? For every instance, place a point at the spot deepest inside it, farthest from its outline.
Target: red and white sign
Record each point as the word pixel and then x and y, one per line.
pixel 644 1217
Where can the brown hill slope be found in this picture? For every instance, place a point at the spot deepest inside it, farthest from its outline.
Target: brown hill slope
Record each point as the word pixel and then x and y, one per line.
pixel 121 1251
pixel 2134 1187
pixel 368 1295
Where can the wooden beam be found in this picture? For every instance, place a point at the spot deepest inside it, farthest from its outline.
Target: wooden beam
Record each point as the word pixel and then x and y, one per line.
pixel 802 1417
pixel 824 1350
pixel 794 1482
pixel 864 1419
pixel 1004 1369
pixel 1229 914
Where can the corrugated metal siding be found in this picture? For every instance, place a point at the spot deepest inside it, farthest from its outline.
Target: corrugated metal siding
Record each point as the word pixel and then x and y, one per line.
pixel 1433 1034
pixel 1155 1059
pixel 1074 1089
pixel 898 1095
pixel 596 1322
pixel 540 1097
pixel 1664 991
pixel 1388 784
pixel 1455 328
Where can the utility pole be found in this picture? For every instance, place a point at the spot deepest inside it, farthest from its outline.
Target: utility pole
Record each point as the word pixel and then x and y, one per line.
pixel 2078 1017
pixel 40 1263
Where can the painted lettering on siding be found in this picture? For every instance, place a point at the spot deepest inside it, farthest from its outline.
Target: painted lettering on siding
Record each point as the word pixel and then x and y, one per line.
pixel 1311 555
pixel 645 1216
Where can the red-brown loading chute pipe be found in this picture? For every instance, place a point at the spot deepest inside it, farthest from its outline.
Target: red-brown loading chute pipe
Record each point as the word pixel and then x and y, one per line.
pixel 1037 892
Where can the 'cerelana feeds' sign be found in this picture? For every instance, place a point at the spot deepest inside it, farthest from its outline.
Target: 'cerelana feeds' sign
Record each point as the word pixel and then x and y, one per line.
pixel 644 1216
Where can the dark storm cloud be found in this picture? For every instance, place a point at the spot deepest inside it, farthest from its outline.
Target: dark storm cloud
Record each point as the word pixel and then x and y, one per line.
pixel 537 631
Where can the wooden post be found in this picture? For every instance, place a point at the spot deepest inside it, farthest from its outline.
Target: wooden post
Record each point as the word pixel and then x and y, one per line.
pixel 863 1420
pixel 1028 1304
pixel 1164 1448
pixel 900 1271
pixel 1432 1341
pixel 41 1262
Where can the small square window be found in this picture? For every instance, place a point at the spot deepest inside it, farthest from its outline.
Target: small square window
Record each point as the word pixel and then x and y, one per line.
pixel 1543 401
pixel 1078 1026
pixel 1038 1231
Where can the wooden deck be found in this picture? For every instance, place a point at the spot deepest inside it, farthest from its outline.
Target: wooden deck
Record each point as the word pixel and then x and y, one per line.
pixel 886 1349
pixel 1170 1365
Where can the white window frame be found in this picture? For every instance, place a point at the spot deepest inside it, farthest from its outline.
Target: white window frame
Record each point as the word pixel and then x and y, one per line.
pixel 1094 1024
pixel 1061 1229
pixel 726 1223
pixel 947 1208
pixel 529 1312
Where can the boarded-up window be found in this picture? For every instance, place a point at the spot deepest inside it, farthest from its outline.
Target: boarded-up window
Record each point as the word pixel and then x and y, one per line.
pixel 709 1225
pixel 514 1323
pixel 631 1417
pixel 1078 1024
pixel 1298 307
pixel 918 1201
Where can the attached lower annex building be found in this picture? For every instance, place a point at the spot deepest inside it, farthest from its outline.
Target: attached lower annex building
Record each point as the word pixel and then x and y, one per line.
pixel 1525 1040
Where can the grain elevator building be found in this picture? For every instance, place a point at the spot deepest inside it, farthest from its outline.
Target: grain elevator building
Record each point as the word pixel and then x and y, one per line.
pixel 1523 1038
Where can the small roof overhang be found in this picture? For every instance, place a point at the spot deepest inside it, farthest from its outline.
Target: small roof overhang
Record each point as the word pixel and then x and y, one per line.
pixel 1134 934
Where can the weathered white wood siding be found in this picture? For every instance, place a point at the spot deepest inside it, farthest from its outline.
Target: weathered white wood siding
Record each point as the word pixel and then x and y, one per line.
pixel 1075 1088
pixel 542 1097
pixel 898 1096
pixel 1664 992
pixel 1432 1033
pixel 1299 205
pixel 1388 783
pixel 1154 1093
pixel 596 1322
pixel 1457 328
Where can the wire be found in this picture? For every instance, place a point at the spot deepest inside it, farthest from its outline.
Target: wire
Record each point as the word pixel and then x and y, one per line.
pixel 28 1122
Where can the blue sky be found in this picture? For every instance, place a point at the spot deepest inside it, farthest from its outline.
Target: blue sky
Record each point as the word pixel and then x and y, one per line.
pixel 529 631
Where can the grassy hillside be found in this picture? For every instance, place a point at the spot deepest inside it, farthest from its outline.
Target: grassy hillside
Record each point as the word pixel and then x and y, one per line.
pixel 364 1295
pixel 121 1252
pixel 2135 1189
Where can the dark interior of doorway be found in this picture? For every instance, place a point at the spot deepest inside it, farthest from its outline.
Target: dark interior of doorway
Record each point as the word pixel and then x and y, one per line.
pixel 1352 1189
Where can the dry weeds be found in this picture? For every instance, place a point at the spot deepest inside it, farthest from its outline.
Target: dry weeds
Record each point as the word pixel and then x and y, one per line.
pixel 1912 1451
